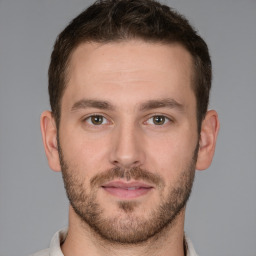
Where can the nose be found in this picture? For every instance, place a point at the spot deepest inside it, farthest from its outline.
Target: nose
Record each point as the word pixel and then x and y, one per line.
pixel 127 149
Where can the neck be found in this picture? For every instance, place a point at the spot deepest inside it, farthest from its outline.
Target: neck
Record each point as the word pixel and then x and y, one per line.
pixel 82 240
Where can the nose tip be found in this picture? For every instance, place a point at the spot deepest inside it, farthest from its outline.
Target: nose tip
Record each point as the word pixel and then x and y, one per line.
pixel 127 156
pixel 127 150
pixel 126 163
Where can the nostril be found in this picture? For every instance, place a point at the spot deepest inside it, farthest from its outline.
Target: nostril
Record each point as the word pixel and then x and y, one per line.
pixel 126 164
pixel 126 151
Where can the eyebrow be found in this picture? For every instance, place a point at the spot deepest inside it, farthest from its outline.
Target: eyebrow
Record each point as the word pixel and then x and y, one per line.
pixel 85 103
pixel 148 105
pixel 162 103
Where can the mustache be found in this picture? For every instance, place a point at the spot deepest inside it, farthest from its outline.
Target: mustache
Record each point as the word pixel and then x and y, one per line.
pixel 135 173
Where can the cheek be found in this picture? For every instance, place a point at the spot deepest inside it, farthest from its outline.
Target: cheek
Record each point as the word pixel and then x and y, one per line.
pixel 87 152
pixel 172 154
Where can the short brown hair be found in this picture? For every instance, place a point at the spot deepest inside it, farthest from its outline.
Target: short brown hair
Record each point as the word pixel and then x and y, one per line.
pixel 117 20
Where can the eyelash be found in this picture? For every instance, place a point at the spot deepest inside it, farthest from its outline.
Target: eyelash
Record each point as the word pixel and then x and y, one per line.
pixel 89 122
pixel 95 115
pixel 166 120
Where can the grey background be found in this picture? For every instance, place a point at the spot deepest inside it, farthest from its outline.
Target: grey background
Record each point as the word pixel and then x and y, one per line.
pixel 221 214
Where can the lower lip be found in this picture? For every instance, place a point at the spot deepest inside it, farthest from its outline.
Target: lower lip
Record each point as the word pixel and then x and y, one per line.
pixel 125 193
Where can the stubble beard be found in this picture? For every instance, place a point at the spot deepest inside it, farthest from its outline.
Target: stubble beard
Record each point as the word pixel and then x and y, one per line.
pixel 126 227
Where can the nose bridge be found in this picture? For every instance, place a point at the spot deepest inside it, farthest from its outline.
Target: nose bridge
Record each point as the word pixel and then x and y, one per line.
pixel 127 150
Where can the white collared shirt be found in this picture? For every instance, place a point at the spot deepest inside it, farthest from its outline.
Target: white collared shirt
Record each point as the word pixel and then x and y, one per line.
pixel 60 236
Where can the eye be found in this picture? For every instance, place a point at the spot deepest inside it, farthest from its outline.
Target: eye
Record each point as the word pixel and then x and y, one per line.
pixel 158 120
pixel 96 120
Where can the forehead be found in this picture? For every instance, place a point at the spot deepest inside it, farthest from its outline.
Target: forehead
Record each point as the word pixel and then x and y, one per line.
pixel 132 68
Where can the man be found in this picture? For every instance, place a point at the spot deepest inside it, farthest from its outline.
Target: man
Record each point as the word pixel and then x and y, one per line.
pixel 129 84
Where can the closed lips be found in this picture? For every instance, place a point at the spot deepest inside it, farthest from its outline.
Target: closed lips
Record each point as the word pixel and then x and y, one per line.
pixel 127 186
pixel 127 190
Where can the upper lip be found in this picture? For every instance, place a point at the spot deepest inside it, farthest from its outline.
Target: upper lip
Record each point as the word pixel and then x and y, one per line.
pixel 125 185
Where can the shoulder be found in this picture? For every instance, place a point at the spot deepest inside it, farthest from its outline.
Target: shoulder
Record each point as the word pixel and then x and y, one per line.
pixel 54 249
pixel 190 248
pixel 45 252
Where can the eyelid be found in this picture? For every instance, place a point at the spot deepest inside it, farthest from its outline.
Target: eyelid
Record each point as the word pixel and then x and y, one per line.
pixel 110 121
pixel 170 119
pixel 85 118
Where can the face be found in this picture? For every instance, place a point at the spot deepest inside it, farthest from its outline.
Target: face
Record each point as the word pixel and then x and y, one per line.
pixel 128 137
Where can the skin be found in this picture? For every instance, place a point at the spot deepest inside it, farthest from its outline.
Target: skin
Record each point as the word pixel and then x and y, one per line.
pixel 128 75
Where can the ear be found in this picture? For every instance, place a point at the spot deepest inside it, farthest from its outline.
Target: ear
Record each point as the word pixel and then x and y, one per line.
pixel 208 136
pixel 49 134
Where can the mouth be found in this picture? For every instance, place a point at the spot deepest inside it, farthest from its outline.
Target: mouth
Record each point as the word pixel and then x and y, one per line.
pixel 127 190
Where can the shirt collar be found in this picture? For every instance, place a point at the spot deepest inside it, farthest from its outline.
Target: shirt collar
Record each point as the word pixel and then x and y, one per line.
pixel 60 236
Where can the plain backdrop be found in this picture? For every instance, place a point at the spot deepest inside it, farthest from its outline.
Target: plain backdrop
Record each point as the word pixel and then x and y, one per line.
pixel 221 214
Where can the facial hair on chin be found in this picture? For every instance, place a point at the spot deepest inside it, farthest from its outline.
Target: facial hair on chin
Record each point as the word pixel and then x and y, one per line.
pixel 127 228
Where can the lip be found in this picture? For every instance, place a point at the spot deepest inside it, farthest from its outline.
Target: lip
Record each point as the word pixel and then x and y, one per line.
pixel 127 190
